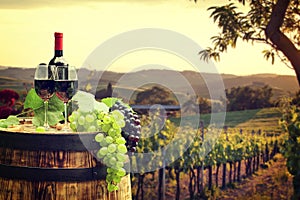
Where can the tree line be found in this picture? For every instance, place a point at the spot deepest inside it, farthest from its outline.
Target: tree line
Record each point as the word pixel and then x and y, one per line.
pixel 237 98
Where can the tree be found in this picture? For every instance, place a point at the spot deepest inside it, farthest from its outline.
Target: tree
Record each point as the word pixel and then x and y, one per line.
pixel 275 23
pixel 242 98
pixel 204 105
pixel 100 94
pixel 154 95
pixel 296 99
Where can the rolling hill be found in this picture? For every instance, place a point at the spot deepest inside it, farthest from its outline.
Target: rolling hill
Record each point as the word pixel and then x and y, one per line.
pixel 179 82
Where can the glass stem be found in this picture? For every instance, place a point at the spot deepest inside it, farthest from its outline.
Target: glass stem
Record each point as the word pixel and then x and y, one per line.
pixel 66 116
pixel 46 125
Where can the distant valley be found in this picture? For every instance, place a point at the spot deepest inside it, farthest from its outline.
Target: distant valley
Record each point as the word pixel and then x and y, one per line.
pixel 16 78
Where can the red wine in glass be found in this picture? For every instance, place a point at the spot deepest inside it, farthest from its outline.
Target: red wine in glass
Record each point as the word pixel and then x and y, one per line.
pixel 66 89
pixel 66 85
pixel 44 88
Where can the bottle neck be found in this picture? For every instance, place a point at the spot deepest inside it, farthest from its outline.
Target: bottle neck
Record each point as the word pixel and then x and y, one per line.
pixel 58 53
pixel 58 46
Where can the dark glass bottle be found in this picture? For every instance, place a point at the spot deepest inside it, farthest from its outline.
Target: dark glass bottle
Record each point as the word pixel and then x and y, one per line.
pixel 58 59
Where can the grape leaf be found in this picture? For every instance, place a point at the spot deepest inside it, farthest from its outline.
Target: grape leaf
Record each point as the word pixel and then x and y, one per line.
pixel 55 104
pixel 55 108
pixel 12 120
pixel 9 121
pixel 53 117
pixel 32 100
pixel 109 101
pixel 85 101
pixel 100 106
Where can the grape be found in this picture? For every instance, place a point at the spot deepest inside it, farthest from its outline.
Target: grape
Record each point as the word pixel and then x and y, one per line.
pixel 106 119
pixel 92 129
pixel 99 154
pixel 71 118
pixel 120 140
pixel 115 125
pixel 117 179
pixel 111 187
pixel 131 129
pixel 131 137
pixel 112 132
pixel 136 138
pixel 120 157
pixel 89 118
pixel 122 148
pixel 137 122
pixel 73 126
pixel 106 160
pixel 105 127
pixel 103 143
pixel 132 149
pixel 81 120
pixel 113 161
pixel 103 151
pixel 121 172
pixel 75 114
pixel 99 137
pixel 109 140
pixel 119 164
pixel 40 129
pixel 112 148
pixel 109 170
pixel 117 115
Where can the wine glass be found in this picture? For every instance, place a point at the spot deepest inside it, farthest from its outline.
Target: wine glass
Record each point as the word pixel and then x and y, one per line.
pixel 66 85
pixel 44 87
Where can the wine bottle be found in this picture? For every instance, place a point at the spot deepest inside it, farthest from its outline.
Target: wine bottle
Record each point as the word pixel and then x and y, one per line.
pixel 58 60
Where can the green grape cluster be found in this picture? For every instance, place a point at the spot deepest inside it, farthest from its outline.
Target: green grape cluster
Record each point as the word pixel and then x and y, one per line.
pixel 81 121
pixel 112 150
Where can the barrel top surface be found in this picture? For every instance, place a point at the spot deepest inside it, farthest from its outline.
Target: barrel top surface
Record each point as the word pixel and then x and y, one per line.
pixel 24 136
pixel 26 127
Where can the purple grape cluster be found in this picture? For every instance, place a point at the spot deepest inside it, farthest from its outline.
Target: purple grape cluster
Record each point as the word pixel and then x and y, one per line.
pixel 132 129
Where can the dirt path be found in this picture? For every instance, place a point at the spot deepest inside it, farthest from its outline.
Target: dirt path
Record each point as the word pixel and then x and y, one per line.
pixel 273 183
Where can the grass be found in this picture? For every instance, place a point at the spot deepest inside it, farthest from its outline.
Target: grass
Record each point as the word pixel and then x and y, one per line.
pixel 263 118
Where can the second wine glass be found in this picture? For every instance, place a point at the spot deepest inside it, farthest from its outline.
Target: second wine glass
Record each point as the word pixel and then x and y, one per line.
pixel 66 85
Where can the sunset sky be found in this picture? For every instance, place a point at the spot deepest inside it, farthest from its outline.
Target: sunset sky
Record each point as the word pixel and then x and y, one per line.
pixel 27 27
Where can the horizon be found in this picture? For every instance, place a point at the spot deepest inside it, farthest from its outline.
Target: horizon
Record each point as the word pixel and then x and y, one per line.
pixel 2 67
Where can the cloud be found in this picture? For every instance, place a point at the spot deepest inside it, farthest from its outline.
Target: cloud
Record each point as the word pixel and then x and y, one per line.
pixel 29 4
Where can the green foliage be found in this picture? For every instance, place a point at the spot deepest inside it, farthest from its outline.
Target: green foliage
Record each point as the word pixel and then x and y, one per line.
pixel 186 149
pixel 237 24
pixel 110 101
pixel 243 98
pixel 55 110
pixel 9 121
pixel 155 95
pixel 291 147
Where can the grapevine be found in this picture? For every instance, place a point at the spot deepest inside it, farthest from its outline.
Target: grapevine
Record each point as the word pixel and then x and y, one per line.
pixel 228 149
pixel 290 122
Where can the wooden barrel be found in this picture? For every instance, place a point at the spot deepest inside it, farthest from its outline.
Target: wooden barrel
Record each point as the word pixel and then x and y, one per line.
pixel 54 166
